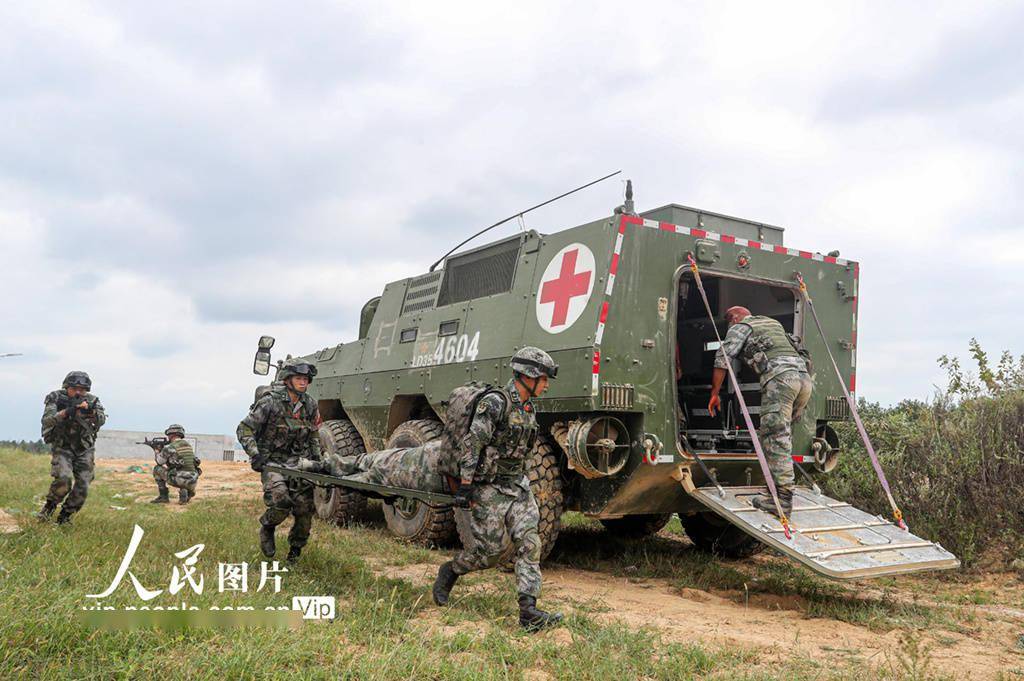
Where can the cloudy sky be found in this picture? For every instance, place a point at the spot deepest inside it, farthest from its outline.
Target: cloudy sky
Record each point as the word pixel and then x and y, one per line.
pixel 178 178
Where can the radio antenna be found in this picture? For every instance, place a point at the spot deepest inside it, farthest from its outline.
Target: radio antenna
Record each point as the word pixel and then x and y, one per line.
pixel 520 214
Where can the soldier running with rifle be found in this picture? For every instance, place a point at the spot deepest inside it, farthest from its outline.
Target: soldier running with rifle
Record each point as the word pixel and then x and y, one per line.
pixel 71 418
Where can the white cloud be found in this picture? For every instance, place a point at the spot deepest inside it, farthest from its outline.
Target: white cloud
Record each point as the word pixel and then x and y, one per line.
pixel 158 161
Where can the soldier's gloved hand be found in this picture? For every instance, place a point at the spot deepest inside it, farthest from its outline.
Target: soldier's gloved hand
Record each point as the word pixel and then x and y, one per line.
pixel 256 462
pixel 310 466
pixel 464 496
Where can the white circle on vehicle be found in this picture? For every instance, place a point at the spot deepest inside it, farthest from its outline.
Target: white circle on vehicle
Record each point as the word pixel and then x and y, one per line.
pixel 565 288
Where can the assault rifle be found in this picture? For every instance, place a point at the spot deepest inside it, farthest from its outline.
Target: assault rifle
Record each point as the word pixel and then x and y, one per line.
pixel 156 444
pixel 65 401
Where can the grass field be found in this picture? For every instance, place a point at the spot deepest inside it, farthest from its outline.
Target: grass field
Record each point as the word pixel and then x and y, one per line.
pixel 386 626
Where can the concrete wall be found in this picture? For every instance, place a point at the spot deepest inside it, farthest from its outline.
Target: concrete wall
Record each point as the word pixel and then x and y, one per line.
pixel 120 444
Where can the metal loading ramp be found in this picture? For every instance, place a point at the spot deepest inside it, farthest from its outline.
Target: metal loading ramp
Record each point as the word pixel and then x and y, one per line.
pixel 831 537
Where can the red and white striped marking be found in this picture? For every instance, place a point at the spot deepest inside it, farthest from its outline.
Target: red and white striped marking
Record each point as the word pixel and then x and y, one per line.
pixel 746 243
pixel 714 236
pixel 613 269
pixel 853 333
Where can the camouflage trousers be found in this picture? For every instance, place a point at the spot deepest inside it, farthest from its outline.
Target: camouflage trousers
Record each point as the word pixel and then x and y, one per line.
pixel 408 467
pixel 71 472
pixel 183 480
pixel 284 497
pixel 499 513
pixel 783 400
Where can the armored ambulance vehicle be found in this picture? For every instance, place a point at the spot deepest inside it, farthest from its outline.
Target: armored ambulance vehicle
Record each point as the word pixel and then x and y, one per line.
pixel 626 434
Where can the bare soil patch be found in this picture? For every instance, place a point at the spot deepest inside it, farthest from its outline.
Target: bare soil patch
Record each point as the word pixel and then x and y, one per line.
pixel 219 479
pixel 8 525
pixel 778 627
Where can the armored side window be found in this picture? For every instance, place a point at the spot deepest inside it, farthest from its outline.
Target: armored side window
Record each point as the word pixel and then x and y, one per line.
pixel 448 328
pixel 481 272
pixel 407 336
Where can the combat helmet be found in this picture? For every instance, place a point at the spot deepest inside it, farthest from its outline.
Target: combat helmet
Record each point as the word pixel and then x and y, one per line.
pixel 296 367
pixel 533 362
pixel 175 429
pixel 78 379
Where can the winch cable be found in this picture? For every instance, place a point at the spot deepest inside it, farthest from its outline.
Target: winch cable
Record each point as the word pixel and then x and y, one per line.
pixel 765 470
pixel 896 513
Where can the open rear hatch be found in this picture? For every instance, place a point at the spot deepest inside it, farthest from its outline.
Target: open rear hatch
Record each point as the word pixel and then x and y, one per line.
pixel 831 537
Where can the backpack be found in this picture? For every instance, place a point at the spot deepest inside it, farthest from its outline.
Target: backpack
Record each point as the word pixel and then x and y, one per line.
pixel 460 407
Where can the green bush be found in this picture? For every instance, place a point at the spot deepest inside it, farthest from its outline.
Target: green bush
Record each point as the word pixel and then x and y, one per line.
pixel 955 463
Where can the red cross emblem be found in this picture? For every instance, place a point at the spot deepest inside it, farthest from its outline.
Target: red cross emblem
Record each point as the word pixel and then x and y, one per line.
pixel 568 277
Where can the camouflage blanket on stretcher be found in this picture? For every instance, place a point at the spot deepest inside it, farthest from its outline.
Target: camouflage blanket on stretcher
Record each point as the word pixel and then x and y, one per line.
pixel 419 468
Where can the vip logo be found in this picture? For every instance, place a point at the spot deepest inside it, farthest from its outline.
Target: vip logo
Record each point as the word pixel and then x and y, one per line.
pixel 565 288
pixel 314 607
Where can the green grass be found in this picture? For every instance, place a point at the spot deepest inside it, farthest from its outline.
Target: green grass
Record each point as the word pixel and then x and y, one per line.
pixel 386 628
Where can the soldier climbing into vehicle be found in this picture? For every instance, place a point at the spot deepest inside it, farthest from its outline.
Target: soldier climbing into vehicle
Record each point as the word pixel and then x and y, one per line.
pixel 490 460
pixel 282 428
pixel 786 387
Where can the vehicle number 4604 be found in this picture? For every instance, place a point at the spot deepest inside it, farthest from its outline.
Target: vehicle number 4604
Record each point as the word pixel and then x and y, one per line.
pixel 459 348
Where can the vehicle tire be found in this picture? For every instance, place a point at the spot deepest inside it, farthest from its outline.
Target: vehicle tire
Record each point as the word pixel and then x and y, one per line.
pixel 410 519
pixel 636 526
pixel 546 483
pixel 337 504
pixel 714 535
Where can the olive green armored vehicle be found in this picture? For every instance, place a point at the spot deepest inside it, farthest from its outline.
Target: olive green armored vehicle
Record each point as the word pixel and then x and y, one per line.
pixel 627 437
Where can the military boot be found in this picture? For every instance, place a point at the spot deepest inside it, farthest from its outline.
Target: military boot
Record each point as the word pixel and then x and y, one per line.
pixel 267 540
pixel 161 497
pixel 446 579
pixel 764 502
pixel 191 493
pixel 48 508
pixel 533 619
pixel 293 554
pixel 64 518
pixel 183 496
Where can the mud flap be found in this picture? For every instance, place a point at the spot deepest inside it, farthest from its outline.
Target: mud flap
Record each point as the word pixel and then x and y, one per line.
pixel 831 537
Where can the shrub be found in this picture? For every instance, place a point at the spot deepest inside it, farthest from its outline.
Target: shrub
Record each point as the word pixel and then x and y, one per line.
pixel 955 463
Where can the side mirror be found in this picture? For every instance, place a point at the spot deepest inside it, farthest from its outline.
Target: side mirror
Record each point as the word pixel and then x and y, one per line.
pixel 266 342
pixel 261 365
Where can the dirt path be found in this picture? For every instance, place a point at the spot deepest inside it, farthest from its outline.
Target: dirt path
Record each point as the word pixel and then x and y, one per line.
pixel 777 626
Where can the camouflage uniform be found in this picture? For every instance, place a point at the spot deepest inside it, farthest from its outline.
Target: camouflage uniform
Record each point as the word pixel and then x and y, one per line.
pixel 409 467
pixel 493 456
pixel 73 445
pixel 785 386
pixel 181 470
pixel 282 432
